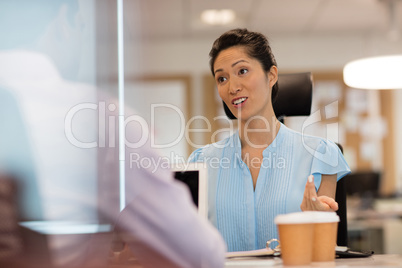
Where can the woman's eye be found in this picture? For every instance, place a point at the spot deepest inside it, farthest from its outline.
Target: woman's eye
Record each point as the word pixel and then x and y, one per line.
pixel 221 79
pixel 243 71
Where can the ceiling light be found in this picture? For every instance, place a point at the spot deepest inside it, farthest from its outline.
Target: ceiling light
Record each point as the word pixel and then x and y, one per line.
pixel 218 17
pixel 374 73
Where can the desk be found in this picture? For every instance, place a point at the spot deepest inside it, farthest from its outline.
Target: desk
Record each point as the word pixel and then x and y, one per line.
pixel 380 260
pixel 58 243
pixel 386 260
pixel 376 229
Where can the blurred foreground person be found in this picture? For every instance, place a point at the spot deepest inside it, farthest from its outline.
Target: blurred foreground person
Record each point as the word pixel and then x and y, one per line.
pixel 58 144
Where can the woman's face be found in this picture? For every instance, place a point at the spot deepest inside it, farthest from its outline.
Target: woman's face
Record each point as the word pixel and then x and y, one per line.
pixel 243 84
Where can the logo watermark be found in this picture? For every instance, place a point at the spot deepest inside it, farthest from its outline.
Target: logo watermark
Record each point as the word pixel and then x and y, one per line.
pixel 107 137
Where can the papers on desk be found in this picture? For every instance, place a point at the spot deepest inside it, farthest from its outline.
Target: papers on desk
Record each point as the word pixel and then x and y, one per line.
pixel 244 259
pixel 267 252
pixel 252 263
pixel 252 258
pixel 252 253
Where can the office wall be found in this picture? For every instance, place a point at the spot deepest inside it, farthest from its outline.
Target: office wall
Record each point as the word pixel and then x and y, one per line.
pixel 320 53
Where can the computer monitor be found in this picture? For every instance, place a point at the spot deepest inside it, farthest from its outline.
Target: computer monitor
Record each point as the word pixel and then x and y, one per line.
pixel 195 176
pixel 363 183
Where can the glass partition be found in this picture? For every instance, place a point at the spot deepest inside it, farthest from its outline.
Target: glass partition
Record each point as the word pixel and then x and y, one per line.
pixel 54 103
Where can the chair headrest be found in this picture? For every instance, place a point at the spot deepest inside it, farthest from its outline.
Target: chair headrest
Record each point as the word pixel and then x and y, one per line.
pixel 294 95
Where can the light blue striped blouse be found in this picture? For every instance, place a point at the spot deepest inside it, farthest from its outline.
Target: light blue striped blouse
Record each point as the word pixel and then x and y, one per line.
pixel 244 216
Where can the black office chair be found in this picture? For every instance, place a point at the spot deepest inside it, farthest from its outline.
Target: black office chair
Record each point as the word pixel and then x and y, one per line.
pixel 294 96
pixel 294 99
pixel 340 197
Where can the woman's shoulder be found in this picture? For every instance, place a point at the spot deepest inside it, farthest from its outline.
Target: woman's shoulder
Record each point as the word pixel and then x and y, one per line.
pixel 309 141
pixel 209 150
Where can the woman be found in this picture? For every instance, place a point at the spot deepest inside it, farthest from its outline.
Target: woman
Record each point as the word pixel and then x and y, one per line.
pixel 261 170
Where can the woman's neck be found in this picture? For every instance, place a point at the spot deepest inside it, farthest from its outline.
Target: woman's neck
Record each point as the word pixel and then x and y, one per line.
pixel 258 132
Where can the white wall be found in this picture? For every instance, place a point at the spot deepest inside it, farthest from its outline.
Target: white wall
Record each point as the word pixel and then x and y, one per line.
pixel 293 53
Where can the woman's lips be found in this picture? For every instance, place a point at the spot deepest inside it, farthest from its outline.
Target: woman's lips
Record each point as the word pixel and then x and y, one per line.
pixel 239 102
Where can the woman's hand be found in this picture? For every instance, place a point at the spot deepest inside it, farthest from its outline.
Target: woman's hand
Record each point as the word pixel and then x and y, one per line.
pixel 313 202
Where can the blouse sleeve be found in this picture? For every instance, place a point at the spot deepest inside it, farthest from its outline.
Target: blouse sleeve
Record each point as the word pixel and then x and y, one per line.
pixel 328 159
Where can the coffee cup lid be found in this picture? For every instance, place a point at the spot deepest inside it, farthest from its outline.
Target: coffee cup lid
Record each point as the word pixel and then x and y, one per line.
pixel 323 216
pixel 293 218
pixel 306 217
